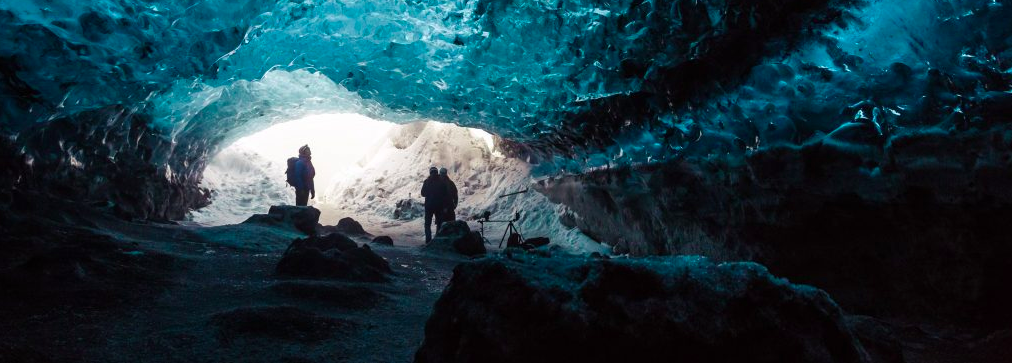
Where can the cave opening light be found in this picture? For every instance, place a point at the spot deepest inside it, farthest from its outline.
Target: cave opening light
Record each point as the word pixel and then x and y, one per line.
pixel 338 141
pixel 248 176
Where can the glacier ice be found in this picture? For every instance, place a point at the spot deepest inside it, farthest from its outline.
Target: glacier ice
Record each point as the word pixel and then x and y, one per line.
pixel 576 85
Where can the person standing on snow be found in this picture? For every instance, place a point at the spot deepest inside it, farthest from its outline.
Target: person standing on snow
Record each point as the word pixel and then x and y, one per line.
pixel 303 177
pixel 449 210
pixel 435 193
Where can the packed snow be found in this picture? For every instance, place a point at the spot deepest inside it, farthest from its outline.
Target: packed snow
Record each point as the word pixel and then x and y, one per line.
pixel 374 174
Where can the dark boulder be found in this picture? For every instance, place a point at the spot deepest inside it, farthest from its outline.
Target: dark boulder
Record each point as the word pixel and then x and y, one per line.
pixel 324 243
pixel 458 237
pixel 332 256
pixel 304 219
pixel 680 309
pixel 349 226
pixel 470 245
pixel 345 226
pixel 383 240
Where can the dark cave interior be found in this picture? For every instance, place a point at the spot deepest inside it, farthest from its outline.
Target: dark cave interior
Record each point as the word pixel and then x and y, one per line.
pixel 721 180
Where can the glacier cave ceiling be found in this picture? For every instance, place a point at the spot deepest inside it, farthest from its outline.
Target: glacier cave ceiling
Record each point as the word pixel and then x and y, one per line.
pixel 581 83
pixel 523 69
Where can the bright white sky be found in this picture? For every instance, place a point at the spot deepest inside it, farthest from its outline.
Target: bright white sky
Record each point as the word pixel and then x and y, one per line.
pixel 338 141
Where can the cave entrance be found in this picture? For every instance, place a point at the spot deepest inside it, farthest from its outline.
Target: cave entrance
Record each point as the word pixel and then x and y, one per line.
pixel 372 171
pixel 365 167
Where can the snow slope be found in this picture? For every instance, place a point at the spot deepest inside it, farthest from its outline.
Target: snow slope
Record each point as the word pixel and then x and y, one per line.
pixel 391 170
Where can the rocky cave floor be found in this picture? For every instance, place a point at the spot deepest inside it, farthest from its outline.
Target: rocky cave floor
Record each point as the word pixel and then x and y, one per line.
pixel 164 293
pixel 88 287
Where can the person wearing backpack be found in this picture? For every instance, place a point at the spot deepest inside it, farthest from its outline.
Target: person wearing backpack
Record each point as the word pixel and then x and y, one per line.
pixel 300 175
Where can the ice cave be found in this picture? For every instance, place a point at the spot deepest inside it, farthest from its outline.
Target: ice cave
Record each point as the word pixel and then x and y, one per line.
pixel 506 181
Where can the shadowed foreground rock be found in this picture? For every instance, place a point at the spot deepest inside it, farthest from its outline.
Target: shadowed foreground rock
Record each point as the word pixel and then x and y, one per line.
pixel 52 265
pixel 332 256
pixel 457 236
pixel 304 219
pixel 680 309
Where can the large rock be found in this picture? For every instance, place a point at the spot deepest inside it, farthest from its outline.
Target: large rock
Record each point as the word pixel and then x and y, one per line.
pixel 924 234
pixel 346 225
pixel 333 256
pixel 304 219
pixel 383 240
pixel 679 309
pixel 457 236
pixel 349 226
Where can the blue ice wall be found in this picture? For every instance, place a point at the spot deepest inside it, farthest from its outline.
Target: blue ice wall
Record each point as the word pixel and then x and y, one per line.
pixel 575 84
pixel 512 67
pixel 891 68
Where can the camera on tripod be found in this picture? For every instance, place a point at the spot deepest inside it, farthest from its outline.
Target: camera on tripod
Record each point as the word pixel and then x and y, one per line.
pixel 487 215
pixel 512 232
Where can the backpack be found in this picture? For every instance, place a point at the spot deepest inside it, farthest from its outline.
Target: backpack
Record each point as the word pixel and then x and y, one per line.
pixel 290 172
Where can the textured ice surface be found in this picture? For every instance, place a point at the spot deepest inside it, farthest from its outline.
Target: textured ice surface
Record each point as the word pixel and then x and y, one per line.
pixel 511 67
pixel 578 84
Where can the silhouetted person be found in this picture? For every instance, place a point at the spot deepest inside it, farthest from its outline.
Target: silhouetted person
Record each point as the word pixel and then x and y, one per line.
pixel 450 209
pixel 303 178
pixel 435 193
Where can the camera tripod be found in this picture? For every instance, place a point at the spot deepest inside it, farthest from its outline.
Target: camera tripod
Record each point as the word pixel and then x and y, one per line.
pixel 511 228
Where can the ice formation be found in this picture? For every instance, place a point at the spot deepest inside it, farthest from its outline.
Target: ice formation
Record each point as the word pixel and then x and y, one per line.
pixel 577 85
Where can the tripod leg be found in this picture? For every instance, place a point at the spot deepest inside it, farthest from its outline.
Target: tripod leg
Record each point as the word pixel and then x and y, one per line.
pixel 510 229
pixel 504 234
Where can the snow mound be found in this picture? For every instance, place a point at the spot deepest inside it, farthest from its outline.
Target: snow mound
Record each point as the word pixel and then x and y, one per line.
pixel 242 183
